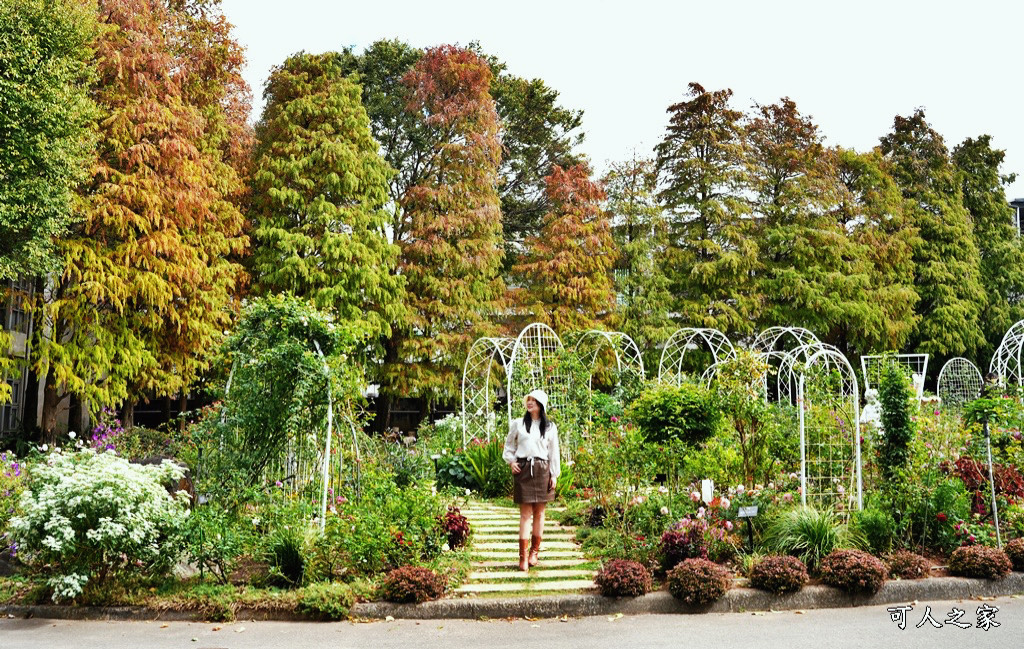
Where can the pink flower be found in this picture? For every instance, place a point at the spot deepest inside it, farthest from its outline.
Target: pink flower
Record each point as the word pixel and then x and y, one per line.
pixel 700 512
pixel 614 419
pixel 728 525
pixel 788 497
pixel 740 488
pixel 695 496
pixel 725 502
pixel 664 511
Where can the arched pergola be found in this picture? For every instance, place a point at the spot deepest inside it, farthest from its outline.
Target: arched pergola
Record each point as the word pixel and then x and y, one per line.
pixel 591 343
pixel 772 338
pixel 791 366
pixel 1006 362
pixel 672 368
pixel 480 387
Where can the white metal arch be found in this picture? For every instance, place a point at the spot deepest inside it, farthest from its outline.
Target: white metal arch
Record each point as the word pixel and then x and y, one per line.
pixel 530 368
pixel 670 368
pixel 829 408
pixel 768 339
pixel 590 343
pixel 478 388
pixel 1006 362
pixel 790 368
pixel 960 381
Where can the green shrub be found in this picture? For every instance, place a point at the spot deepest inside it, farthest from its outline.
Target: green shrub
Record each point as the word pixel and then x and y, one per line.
pixel 87 517
pixel 895 396
pixel 853 571
pixel 1015 551
pixel 980 562
pixel 286 559
pixel 483 463
pixel 451 472
pixel 412 584
pixel 907 565
pixel 623 578
pixel 808 534
pixel 877 527
pixel 686 413
pixel 779 574
pixel 215 540
pixel 328 600
pixel 698 582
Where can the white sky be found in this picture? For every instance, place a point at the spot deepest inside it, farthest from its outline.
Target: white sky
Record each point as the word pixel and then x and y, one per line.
pixel 852 65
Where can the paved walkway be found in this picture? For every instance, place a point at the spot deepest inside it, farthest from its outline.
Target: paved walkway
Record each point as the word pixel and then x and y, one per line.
pixel 495 556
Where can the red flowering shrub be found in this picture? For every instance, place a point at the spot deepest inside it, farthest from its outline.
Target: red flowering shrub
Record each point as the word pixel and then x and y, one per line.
pixel 623 578
pixel 456 527
pixel 411 584
pixel 698 581
pixel 779 574
pixel 1009 481
pixel 1015 551
pixel 907 565
pixel 980 562
pixel 853 571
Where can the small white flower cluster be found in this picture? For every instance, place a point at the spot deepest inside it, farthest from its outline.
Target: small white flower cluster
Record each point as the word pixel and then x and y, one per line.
pixel 84 508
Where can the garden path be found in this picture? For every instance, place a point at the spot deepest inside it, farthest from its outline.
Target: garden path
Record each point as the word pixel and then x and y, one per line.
pixel 495 556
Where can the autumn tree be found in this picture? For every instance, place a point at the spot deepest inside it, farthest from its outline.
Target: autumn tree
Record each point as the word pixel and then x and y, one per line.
pixel 149 259
pixel 710 255
pixel 639 229
pixel 449 231
pixel 982 182
pixel 946 259
pixel 565 276
pixel 320 195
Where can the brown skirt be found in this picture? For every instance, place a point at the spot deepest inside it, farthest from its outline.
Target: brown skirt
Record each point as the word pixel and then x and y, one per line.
pixel 532 488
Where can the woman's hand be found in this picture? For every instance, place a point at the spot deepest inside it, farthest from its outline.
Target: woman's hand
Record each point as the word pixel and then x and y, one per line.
pixel 515 468
pixel 551 484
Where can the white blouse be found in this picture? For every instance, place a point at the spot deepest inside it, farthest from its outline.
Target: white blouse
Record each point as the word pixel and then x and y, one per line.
pixel 523 443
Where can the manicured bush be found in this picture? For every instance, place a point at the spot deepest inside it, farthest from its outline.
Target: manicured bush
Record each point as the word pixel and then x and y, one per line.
pixel 877 527
pixel 779 574
pixel 329 600
pixel 88 516
pixel 698 581
pixel 411 584
pixel 623 578
pixel 853 571
pixel 687 413
pixel 1015 550
pixel 980 562
pixel 907 565
pixel 808 534
pixel 679 545
pixel 456 527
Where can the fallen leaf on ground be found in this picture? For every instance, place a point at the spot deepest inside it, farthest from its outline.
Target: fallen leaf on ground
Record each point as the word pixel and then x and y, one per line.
pixel 535 626
pixel 164 626
pixel 615 617
pixel 799 612
pixel 240 629
pixel 216 628
pixel 389 618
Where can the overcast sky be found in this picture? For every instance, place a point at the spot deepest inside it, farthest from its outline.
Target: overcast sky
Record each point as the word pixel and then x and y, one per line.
pixel 851 65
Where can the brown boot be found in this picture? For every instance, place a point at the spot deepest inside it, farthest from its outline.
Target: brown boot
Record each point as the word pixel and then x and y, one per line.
pixel 522 555
pixel 534 550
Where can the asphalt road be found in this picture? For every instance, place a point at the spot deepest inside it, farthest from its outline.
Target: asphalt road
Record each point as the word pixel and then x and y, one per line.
pixel 868 626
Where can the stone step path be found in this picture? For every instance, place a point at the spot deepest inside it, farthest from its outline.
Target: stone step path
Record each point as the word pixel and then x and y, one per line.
pixel 494 555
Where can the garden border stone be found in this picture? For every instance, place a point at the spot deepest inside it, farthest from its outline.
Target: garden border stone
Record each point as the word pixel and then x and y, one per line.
pixel 661 602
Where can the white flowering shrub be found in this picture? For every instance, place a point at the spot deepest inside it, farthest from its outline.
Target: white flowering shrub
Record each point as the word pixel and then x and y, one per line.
pixel 94 516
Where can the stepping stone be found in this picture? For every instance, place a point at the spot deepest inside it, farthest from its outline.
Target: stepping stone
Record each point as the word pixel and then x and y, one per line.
pixel 564 545
pixel 533 574
pixel 548 536
pixel 498 554
pixel 544 563
pixel 581 584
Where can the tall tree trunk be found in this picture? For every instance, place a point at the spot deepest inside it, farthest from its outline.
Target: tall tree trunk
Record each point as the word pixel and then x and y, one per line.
pixel 30 420
pixel 75 414
pixel 182 408
pixel 128 413
pixel 51 402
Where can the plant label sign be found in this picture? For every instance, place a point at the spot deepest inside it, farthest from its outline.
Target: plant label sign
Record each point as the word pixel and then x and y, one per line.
pixel 747 512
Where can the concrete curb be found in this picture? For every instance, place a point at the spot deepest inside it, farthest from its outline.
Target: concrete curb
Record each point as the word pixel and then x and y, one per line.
pixel 661 602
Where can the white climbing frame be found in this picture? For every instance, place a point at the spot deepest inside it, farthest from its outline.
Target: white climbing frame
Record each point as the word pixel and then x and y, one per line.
pixel 959 382
pixel 534 349
pixel 1006 362
pixel 829 412
pixel 480 386
pixel 913 365
pixel 790 368
pixel 671 369
pixel 769 339
pixel 591 343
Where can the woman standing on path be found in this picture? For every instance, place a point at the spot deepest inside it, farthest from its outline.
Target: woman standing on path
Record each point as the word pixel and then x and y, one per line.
pixel 531 450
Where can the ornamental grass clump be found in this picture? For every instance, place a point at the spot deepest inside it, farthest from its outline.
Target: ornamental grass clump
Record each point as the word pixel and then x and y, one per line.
pixel 698 581
pixel 412 584
pixel 853 571
pixel 980 562
pixel 779 575
pixel 1015 551
pixel 88 517
pixel 907 565
pixel 808 534
pixel 623 578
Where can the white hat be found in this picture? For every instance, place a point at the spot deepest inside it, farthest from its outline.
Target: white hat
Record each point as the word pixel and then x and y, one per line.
pixel 540 396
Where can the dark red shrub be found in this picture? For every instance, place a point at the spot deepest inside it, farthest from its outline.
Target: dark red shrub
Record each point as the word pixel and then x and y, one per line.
pixel 698 581
pixel 980 562
pixel 853 571
pixel 1015 550
pixel 907 565
pixel 779 574
pixel 412 584
pixel 456 527
pixel 680 544
pixel 623 578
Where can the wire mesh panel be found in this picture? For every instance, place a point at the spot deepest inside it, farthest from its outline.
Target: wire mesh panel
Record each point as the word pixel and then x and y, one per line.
pixel 959 382
pixel 535 363
pixel 790 368
pixel 690 351
pixel 1006 362
pixel 483 375
pixel 915 365
pixel 829 410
